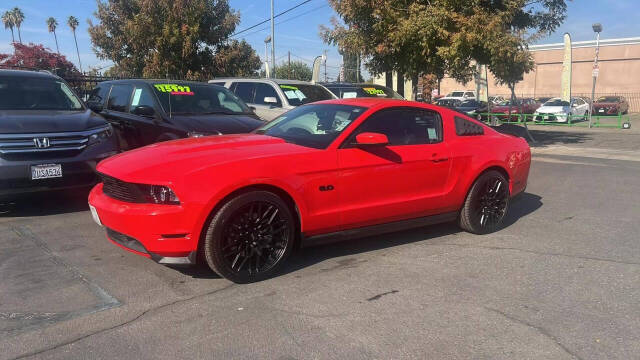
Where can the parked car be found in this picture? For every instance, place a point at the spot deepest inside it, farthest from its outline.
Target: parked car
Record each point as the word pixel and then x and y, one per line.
pixel 358 90
pixel 610 105
pixel 144 112
pixel 526 105
pixel 495 100
pixel 273 97
pixel 558 110
pixel 473 108
pixel 48 139
pixel 327 171
pixel 448 103
pixel 460 95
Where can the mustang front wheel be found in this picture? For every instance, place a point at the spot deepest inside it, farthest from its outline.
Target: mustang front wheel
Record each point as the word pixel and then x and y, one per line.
pixel 249 237
pixel 486 204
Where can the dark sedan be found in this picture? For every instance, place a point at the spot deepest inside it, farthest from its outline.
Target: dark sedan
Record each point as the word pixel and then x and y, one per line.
pixel 473 108
pixel 144 112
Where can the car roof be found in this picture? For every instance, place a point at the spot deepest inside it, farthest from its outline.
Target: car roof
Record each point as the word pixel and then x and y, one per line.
pixel 153 81
pixel 275 81
pixel 27 73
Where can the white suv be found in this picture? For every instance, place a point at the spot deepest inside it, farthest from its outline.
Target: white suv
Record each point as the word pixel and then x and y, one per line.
pixel 460 95
pixel 272 97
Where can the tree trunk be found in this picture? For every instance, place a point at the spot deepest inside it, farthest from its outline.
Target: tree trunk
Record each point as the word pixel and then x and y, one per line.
pixel 19 35
pixel 13 38
pixel 77 51
pixel 56 37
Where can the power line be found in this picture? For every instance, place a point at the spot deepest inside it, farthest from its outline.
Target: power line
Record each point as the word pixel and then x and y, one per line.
pixel 267 20
pixel 286 20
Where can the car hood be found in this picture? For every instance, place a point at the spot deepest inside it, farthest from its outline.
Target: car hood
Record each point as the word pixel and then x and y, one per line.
pixel 158 162
pixel 47 121
pixel 553 109
pixel 217 123
pixel 502 108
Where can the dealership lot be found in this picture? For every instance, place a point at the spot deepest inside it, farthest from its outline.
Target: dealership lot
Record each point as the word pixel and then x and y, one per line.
pixel 560 281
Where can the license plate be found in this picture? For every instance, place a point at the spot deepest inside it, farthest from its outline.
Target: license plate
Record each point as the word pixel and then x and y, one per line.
pixel 46 171
pixel 546 117
pixel 601 110
pixel 94 215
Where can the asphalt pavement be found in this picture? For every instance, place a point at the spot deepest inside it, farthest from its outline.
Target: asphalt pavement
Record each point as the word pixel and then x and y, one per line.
pixel 560 281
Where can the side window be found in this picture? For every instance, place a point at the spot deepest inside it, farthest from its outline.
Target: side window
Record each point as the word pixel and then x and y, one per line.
pixel 142 96
pixel 469 94
pixel 98 94
pixel 404 126
pixel 266 90
pixel 119 97
pixel 465 127
pixel 245 91
pixel 217 83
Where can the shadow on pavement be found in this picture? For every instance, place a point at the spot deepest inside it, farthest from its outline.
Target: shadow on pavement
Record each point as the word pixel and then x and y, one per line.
pixel 545 137
pixel 46 203
pixel 521 206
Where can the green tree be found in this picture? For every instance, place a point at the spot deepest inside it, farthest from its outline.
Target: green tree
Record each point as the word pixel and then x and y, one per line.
pixel 297 70
pixel 52 24
pixel 73 24
pixel 172 38
pixel 415 37
pixel 18 18
pixel 7 20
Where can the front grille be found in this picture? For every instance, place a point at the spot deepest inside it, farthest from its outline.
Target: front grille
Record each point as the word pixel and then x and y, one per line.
pixel 120 190
pixel 126 241
pixel 43 143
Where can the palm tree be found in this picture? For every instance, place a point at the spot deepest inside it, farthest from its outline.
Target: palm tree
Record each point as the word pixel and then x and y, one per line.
pixel 73 24
pixel 18 18
pixel 7 20
pixel 52 24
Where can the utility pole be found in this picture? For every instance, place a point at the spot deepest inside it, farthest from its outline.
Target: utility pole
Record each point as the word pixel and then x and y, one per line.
pixel 289 66
pixel 273 42
pixel 597 28
pixel 325 66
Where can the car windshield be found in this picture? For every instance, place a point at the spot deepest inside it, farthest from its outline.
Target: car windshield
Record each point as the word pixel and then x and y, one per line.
pixel 314 126
pixel 299 94
pixel 556 102
pixel 469 103
pixel 608 99
pixel 181 98
pixel 456 94
pixel 448 102
pixel 30 93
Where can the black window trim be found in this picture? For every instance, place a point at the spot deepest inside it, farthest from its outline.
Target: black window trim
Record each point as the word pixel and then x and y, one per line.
pixel 347 144
pixel 133 86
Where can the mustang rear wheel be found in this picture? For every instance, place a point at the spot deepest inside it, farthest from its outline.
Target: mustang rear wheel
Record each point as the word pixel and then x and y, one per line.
pixel 486 204
pixel 250 237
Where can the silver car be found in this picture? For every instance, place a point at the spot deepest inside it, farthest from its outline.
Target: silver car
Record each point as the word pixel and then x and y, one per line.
pixel 272 97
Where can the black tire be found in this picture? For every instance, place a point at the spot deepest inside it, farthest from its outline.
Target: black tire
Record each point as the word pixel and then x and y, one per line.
pixel 250 237
pixel 486 204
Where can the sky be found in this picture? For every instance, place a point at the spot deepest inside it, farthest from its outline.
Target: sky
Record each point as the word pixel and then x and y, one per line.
pixel 298 31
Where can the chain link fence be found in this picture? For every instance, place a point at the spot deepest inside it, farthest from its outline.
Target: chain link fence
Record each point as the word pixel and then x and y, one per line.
pixel 633 98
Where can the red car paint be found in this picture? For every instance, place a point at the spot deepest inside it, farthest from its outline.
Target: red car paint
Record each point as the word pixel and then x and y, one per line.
pixel 387 184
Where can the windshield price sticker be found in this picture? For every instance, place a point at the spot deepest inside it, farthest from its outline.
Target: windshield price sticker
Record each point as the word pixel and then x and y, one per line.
pixel 174 89
pixel 374 91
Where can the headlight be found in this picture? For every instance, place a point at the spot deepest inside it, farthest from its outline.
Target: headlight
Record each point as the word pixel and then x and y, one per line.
pixel 159 194
pixel 101 134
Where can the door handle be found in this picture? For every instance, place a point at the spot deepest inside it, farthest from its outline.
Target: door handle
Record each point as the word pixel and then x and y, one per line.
pixel 439 160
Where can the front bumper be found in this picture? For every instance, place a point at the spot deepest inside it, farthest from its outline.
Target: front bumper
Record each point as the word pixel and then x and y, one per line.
pixel 78 170
pixel 160 232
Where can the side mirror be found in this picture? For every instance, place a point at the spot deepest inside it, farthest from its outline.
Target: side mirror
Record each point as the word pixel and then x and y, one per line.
pixel 371 139
pixel 95 106
pixel 144 110
pixel 574 105
pixel 252 108
pixel 270 100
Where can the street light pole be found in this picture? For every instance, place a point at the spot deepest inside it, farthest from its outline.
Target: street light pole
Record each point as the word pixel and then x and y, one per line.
pixel 597 28
pixel 273 43
pixel 267 71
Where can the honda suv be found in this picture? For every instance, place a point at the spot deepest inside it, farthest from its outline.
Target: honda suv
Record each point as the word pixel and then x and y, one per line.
pixel 48 138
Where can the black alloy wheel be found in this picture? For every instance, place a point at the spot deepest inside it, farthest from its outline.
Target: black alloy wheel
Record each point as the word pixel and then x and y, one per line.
pixel 249 237
pixel 486 205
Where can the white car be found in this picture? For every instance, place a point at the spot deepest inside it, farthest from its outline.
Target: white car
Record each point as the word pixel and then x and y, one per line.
pixel 270 98
pixel 558 110
pixel 460 95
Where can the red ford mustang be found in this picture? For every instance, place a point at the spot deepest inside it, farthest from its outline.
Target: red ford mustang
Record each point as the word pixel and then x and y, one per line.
pixel 325 171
